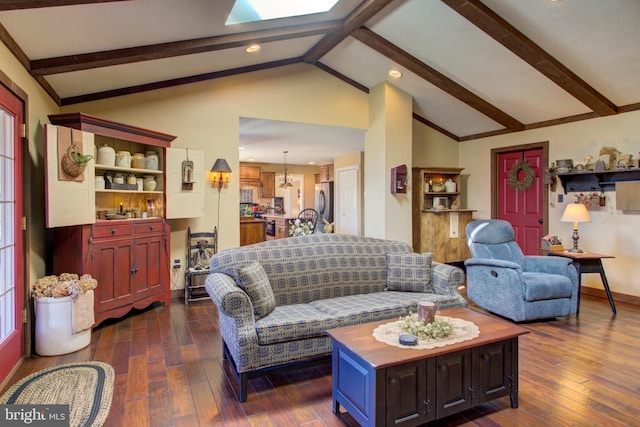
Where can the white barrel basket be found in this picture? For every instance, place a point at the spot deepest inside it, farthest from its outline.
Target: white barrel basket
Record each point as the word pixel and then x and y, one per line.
pixel 54 328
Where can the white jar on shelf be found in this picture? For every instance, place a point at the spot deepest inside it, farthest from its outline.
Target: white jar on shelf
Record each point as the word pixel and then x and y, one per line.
pixel 106 155
pixel 151 160
pixel 450 186
pixel 123 159
pixel 149 183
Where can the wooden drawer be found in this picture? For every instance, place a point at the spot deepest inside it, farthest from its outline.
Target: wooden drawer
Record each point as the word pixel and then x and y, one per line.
pixel 112 230
pixel 148 228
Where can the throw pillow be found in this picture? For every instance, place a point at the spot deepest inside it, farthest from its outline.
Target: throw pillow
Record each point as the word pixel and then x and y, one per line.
pixel 409 272
pixel 254 281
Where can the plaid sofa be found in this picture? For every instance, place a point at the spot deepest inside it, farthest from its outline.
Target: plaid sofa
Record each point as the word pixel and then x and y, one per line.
pixel 317 282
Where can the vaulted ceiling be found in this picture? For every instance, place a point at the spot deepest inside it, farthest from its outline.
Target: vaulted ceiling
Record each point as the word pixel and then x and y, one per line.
pixel 474 68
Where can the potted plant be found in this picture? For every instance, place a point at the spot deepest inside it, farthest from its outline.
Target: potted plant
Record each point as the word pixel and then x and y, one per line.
pixel 74 162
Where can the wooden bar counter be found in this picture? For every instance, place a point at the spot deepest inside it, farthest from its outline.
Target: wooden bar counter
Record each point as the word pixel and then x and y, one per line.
pixel 251 230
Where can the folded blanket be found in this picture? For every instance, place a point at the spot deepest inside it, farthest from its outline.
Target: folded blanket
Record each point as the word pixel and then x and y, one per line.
pixel 82 312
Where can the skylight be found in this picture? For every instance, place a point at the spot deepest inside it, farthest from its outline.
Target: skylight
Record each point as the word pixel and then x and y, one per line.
pixel 262 10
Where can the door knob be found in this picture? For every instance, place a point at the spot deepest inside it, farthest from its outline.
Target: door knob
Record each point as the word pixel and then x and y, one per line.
pixel 541 221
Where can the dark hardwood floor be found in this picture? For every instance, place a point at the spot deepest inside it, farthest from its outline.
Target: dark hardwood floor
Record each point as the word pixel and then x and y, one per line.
pixel 169 372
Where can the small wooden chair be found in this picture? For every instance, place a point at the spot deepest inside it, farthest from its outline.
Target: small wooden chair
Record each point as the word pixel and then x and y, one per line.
pixel 200 246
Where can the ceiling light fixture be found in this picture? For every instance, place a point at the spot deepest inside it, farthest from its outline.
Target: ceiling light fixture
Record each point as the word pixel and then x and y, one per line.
pixel 252 48
pixel 286 183
pixel 395 74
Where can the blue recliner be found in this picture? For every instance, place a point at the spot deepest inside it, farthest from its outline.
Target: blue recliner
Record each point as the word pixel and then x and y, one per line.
pixel 502 280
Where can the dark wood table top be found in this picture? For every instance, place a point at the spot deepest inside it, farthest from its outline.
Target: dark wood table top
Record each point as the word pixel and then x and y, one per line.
pixel 360 340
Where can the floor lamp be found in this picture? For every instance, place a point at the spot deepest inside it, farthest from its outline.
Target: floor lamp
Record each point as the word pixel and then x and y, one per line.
pixel 219 172
pixel 575 212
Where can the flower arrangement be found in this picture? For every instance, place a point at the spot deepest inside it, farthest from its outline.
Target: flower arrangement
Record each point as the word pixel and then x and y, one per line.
pixel 440 328
pixel 591 199
pixel 300 228
pixel 67 284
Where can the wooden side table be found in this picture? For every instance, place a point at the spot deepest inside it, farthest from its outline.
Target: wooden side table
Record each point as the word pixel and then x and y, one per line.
pixel 588 262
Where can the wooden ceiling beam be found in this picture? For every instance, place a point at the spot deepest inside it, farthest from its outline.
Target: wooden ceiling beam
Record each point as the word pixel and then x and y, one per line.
pixel 367 10
pixel 35 4
pixel 434 77
pixel 176 82
pixel 69 63
pixel 507 35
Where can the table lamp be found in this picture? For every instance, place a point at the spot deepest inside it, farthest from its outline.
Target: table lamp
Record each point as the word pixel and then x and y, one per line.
pixel 575 212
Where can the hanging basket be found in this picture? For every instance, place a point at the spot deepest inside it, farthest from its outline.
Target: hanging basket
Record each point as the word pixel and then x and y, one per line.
pixel 70 166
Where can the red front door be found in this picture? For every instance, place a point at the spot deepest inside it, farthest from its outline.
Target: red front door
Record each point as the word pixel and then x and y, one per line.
pixel 523 209
pixel 11 255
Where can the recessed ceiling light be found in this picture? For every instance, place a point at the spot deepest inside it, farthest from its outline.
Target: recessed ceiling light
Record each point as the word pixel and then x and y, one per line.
pixel 312 163
pixel 242 148
pixel 396 74
pixel 250 160
pixel 252 48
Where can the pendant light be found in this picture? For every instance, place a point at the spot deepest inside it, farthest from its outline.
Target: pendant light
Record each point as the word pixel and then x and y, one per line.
pixel 285 183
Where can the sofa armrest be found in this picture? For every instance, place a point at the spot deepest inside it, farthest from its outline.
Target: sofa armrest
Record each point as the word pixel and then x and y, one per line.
pixel 229 297
pixel 446 278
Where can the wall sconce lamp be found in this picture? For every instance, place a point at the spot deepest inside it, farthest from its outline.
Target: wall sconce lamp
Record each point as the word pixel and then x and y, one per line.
pixel 219 173
pixel 575 212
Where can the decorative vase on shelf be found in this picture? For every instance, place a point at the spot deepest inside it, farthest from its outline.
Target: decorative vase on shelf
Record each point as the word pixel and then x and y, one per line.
pixel 123 159
pixel 138 161
pixel 151 160
pixel 437 187
pixel 450 186
pixel 106 155
pixel 149 183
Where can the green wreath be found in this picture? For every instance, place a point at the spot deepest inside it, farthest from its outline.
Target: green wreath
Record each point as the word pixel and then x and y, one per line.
pixel 529 176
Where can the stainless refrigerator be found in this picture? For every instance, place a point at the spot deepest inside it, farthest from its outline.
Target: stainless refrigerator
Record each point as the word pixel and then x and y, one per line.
pixel 324 204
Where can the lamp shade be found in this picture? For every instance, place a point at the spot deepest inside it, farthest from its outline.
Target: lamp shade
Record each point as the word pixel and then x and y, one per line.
pixel 575 212
pixel 220 165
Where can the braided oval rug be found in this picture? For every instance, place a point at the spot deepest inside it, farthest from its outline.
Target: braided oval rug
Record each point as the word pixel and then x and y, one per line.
pixel 87 387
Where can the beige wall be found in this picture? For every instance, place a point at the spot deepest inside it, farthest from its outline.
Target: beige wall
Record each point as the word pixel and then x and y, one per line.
pixel 611 231
pixel 388 143
pixel 39 107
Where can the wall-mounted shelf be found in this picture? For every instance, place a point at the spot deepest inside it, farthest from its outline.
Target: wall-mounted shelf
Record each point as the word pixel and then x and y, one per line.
pixel 597 181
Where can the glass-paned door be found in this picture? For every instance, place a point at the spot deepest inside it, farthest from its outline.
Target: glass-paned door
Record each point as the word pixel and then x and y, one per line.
pixel 11 256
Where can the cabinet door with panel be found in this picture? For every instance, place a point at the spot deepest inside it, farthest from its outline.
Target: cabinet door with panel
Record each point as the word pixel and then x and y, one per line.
pixel 268 184
pixel 406 396
pixel 111 265
pixel 326 173
pixel 496 371
pixel 149 256
pixel 454 383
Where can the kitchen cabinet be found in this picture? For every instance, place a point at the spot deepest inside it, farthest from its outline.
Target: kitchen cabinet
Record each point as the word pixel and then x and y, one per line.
pixel 439 222
pixel 249 173
pixel 128 255
pixel 268 185
pixel 326 173
pixel 129 260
